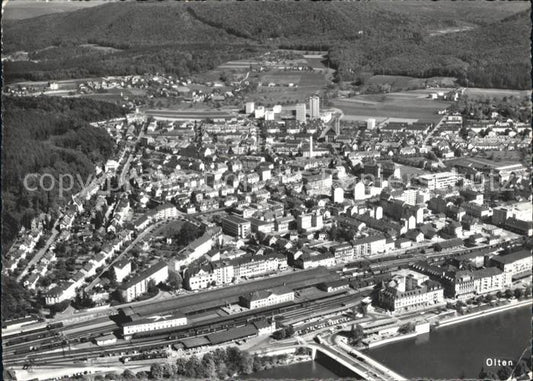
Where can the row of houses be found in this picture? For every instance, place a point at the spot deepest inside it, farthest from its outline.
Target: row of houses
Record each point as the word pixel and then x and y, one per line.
pixel 228 271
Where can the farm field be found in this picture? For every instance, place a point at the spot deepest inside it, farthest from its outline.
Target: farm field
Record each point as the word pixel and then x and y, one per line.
pixel 25 9
pixel 316 61
pixel 185 115
pixel 405 105
pixel 474 92
pixel 305 84
pixel 402 83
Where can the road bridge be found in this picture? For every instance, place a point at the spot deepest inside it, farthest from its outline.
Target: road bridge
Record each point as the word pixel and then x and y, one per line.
pixel 350 358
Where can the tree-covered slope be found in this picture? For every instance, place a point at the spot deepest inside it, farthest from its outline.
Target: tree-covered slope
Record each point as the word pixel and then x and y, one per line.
pixel 48 135
pixel 413 38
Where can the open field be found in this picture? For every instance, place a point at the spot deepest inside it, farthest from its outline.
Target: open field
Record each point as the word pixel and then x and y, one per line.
pixel 103 49
pixel 474 92
pixel 282 78
pixel 316 61
pixel 25 9
pixel 306 84
pixel 406 105
pixel 401 83
pixel 187 115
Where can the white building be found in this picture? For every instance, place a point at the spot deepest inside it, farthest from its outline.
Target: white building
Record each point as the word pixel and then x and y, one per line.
pixel 250 107
pixel 359 191
pixel 122 269
pixel 300 112
pixel 338 195
pixel 314 107
pixel 260 299
pixel 515 265
pixel 259 112
pixel 139 284
pixel 439 180
pixel 153 323
pixel 410 290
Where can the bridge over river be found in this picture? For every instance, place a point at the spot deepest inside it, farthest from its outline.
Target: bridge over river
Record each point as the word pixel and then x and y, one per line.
pixel 350 358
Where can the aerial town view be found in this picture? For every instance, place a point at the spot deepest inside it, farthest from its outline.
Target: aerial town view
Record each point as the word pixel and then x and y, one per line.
pixel 239 190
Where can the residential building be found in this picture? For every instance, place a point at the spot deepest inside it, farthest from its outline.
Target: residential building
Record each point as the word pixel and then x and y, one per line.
pixel 138 285
pixel 122 269
pixel 514 265
pixel 314 107
pixel 236 226
pixel 300 112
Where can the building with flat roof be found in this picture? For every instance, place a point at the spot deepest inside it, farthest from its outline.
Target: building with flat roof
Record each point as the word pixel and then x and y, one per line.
pixel 122 269
pixel 464 283
pixel 439 180
pixel 236 226
pixel 138 285
pixel 515 265
pixel 260 299
pixel 300 112
pixel 314 107
pixel 152 323
pixel 232 334
pixel 106 340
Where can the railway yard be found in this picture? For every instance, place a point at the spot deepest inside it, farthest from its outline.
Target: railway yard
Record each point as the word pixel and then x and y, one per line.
pixel 208 320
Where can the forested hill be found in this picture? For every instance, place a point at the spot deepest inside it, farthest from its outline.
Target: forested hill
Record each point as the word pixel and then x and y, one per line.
pixel 410 37
pixel 47 135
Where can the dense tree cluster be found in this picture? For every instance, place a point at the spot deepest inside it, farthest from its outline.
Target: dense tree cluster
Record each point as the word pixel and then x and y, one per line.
pixel 16 300
pixel 48 135
pixel 175 59
pixel 519 371
pixel 482 108
pixel 219 364
pixel 361 37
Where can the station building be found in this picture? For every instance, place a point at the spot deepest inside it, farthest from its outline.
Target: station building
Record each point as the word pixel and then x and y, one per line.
pixel 260 299
pixel 135 323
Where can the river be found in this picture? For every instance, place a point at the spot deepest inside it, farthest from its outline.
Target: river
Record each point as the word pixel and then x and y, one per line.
pixel 322 368
pixel 447 353
pixel 460 350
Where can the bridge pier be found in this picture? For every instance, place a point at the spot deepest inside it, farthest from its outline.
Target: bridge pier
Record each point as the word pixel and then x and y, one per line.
pixel 313 353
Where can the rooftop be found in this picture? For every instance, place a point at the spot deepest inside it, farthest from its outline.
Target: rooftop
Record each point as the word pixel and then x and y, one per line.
pixel 512 257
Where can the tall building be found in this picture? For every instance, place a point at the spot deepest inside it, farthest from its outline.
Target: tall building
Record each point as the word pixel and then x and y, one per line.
pixel 314 107
pixel 338 195
pixel 250 107
pixel 300 112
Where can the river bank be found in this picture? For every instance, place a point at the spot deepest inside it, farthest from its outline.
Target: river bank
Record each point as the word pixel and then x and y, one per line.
pixel 460 350
pixel 448 322
pixel 479 314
